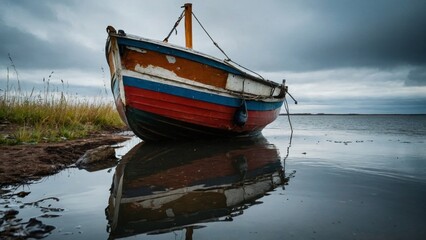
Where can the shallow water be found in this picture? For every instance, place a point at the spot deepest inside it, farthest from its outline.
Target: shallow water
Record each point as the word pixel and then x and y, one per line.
pixel 345 177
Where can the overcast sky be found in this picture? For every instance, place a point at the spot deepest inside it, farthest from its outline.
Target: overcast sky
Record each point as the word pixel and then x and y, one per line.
pixel 337 56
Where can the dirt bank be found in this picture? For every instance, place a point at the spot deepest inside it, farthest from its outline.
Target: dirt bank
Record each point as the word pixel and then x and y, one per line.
pixel 24 163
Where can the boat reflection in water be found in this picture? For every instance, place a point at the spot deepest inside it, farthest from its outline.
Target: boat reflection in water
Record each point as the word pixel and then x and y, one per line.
pixel 159 188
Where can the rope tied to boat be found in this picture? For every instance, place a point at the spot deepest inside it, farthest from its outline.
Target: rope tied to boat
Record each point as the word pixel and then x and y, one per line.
pixel 217 45
pixel 287 109
pixel 227 59
pixel 175 26
pixel 289 145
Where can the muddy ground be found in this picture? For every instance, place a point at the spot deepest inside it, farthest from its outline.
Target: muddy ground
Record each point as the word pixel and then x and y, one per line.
pixel 22 164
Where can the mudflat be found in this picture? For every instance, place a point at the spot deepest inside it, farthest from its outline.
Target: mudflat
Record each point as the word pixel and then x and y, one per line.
pixel 29 162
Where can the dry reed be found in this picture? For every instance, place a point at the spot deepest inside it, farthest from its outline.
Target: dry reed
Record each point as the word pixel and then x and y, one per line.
pixel 50 115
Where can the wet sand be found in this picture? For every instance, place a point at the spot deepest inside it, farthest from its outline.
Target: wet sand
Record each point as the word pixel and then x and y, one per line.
pixel 20 164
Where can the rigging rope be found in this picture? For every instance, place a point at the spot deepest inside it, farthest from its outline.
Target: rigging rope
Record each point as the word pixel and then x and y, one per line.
pixel 289 144
pixel 228 59
pixel 175 26
pixel 288 116
pixel 282 174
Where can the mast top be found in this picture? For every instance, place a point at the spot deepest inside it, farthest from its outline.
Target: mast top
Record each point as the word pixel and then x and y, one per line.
pixel 188 24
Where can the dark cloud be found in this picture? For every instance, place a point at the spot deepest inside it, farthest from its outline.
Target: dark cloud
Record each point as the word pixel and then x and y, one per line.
pixel 30 52
pixel 374 34
pixel 40 9
pixel 416 77
pixel 55 50
pixel 271 36
pixel 312 35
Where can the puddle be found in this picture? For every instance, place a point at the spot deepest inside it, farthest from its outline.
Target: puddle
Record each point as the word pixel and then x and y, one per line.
pixel 13 226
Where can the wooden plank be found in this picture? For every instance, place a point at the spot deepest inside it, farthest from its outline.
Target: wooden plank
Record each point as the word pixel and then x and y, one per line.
pixel 180 67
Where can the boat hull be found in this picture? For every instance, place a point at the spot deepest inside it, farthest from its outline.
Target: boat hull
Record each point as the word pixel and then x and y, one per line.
pixel 165 92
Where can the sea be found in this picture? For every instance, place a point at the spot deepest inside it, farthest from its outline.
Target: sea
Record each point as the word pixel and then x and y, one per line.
pixel 307 177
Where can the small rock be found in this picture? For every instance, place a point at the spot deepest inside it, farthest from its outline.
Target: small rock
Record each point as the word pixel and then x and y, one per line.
pixel 36 229
pixel 22 194
pixel 10 214
pixel 98 154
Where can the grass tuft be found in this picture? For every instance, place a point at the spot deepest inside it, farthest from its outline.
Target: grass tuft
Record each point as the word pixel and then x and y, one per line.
pixel 51 116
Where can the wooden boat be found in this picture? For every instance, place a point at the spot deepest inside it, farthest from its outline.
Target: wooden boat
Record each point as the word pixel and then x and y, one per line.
pixel 163 91
pixel 161 188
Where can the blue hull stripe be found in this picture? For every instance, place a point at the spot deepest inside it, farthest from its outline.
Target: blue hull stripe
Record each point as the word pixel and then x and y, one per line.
pixel 197 95
pixel 178 53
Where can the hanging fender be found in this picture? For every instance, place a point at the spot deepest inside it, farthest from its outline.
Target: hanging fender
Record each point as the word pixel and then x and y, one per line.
pixel 241 114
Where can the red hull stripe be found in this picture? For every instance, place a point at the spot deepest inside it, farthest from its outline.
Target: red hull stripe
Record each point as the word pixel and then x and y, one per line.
pixel 194 111
pixel 150 126
pixel 199 95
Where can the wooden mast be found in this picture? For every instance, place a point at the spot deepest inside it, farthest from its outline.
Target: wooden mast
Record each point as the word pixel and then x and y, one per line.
pixel 188 25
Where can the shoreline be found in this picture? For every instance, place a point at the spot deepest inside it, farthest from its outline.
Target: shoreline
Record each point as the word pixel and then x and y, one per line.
pixel 26 163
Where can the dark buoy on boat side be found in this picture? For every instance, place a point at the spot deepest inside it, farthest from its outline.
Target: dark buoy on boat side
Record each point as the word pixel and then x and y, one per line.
pixel 241 114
